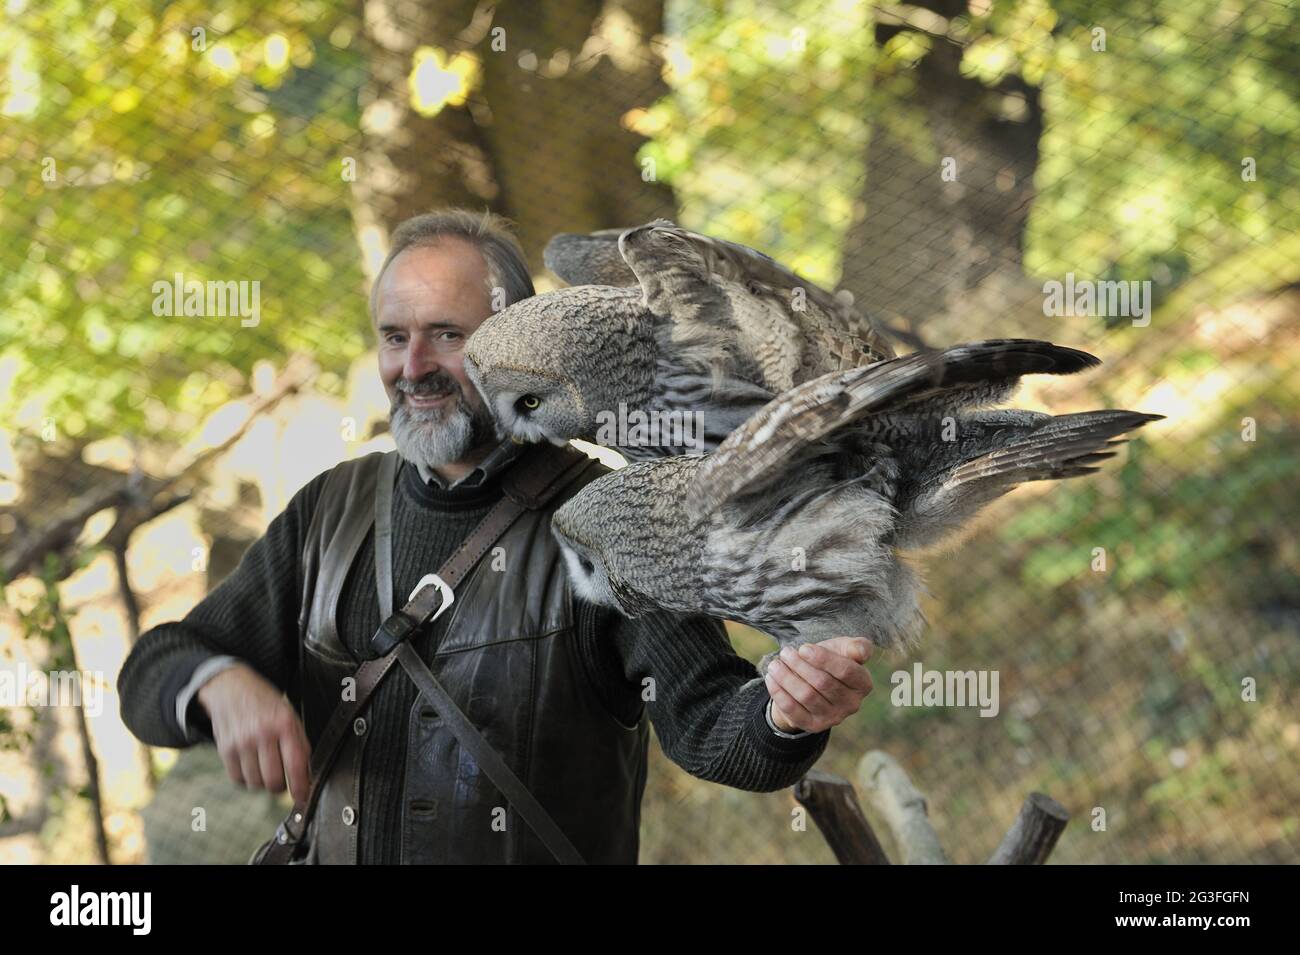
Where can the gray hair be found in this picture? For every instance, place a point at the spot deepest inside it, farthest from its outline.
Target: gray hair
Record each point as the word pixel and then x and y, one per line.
pixel 488 232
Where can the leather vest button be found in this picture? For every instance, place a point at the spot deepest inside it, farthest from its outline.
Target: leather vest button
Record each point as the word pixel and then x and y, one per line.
pixel 359 726
pixel 349 816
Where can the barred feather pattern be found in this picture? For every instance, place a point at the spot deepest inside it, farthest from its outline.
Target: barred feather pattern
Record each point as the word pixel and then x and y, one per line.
pixel 806 521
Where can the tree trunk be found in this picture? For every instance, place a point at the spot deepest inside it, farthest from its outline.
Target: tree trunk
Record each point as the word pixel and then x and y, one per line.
pixel 542 138
pixel 942 258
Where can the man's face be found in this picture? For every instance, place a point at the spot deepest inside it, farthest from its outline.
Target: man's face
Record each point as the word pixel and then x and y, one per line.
pixel 429 302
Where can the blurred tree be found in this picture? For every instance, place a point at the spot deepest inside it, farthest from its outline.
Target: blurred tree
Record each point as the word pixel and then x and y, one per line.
pixel 178 140
pixel 949 177
pixel 247 144
pixel 1110 140
pixel 254 145
pixel 519 107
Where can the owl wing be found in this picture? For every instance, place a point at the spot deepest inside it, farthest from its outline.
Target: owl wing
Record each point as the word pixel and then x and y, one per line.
pixel 592 259
pixel 773 444
pixel 738 263
pixel 794 328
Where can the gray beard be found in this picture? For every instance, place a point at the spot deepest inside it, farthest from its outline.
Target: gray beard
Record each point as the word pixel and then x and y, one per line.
pixel 434 437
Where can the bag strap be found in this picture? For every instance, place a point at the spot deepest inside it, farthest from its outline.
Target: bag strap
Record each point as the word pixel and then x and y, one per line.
pixel 525 488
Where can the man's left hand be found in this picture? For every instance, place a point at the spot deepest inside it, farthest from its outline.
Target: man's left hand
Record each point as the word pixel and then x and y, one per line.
pixel 819 685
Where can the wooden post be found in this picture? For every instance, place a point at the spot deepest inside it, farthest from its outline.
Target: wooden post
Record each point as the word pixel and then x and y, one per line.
pixel 834 806
pixel 1033 835
pixel 891 793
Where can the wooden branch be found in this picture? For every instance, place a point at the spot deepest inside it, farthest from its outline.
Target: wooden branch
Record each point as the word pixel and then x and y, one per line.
pixel 891 793
pixel 834 806
pixel 297 372
pixel 133 514
pixel 137 488
pixel 1033 835
pixel 130 605
pixel 118 541
pixel 93 790
pixel 60 533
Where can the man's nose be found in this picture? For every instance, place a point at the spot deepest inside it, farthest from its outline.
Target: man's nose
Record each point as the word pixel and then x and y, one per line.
pixel 421 359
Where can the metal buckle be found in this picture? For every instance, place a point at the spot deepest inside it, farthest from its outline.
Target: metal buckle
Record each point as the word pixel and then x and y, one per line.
pixel 400 625
pixel 447 595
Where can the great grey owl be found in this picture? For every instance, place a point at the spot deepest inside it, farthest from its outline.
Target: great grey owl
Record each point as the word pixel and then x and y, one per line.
pixel 797 523
pixel 695 336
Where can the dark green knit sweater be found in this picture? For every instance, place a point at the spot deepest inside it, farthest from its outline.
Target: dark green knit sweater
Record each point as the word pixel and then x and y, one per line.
pixel 705 721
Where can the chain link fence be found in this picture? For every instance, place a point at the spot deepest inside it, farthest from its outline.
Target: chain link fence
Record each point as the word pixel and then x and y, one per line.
pixel 1115 178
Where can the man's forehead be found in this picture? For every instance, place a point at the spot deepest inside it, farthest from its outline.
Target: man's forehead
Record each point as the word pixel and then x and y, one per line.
pixel 449 277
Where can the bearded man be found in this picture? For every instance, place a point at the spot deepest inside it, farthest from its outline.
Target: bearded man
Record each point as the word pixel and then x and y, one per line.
pixel 561 689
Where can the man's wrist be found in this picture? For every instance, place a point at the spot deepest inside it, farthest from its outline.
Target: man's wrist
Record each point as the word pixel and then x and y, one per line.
pixel 203 674
pixel 777 730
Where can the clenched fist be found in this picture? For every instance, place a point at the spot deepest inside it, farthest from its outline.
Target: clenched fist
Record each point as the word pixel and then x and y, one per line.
pixel 259 736
pixel 819 685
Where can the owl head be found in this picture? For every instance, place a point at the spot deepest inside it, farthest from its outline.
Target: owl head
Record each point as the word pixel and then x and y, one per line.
pixel 587 572
pixel 549 365
pixel 626 541
pixel 594 581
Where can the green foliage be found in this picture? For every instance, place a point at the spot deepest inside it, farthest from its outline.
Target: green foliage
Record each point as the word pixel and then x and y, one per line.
pixel 763 134
pixel 1142 156
pixel 49 621
pixel 1140 170
pixel 131 155
pixel 1190 539
pixel 47 618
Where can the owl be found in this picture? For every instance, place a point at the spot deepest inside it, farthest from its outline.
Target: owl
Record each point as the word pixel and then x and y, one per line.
pixel 805 522
pixel 696 333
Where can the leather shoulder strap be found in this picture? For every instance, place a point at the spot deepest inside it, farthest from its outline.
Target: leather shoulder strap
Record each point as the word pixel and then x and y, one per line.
pixel 541 473
pixel 384 533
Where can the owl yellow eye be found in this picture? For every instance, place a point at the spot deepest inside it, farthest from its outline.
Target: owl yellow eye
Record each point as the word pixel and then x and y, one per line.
pixel 530 402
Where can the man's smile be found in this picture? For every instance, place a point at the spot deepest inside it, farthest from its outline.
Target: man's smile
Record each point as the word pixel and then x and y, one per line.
pixel 428 401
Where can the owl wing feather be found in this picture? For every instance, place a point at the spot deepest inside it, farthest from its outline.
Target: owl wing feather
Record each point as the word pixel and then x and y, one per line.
pixel 589 259
pixel 778 439
pixel 792 328
pixel 773 305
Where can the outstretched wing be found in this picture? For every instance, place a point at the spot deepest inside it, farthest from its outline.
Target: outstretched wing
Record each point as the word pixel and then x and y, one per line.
pixel 744 266
pixel 781 437
pixel 792 328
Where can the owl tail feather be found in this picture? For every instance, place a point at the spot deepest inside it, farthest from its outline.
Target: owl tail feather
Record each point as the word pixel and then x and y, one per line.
pixel 1066 446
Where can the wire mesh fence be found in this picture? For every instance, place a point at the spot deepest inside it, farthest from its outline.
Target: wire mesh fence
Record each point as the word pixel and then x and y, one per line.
pixel 195 197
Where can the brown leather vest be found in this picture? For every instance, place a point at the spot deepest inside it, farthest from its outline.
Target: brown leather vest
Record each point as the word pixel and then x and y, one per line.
pixel 509 660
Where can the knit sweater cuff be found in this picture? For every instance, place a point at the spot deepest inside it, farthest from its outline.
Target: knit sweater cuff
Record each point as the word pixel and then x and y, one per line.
pixel 191 715
pixel 179 676
pixel 771 746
